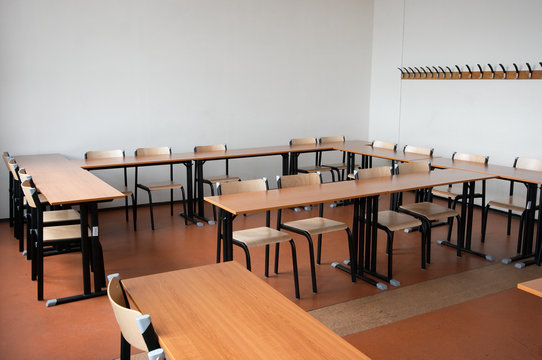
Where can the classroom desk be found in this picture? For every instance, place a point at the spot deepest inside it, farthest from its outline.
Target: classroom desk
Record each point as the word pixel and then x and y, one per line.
pixel 64 183
pixel 532 179
pixel 223 311
pixel 364 193
pixel 533 286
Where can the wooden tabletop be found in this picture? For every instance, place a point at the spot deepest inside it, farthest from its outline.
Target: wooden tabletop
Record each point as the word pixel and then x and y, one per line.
pixel 210 155
pixel 223 311
pixel 62 181
pixel 361 148
pixel 533 286
pixel 341 190
pixel 504 172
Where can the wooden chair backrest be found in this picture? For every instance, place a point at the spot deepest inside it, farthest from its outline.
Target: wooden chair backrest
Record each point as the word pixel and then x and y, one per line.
pixel 331 139
pixel 29 192
pixel 384 145
pixel 207 148
pixel 13 167
pixel 528 164
pixel 417 150
pixel 373 172
pixel 23 175
pixel 126 318
pixel 103 154
pixel 6 158
pixel 303 141
pixel 299 180
pixel 414 167
pixel 162 150
pixel 234 187
pixel 472 158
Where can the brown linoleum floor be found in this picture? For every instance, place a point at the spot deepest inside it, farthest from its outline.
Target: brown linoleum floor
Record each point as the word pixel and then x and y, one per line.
pixel 87 329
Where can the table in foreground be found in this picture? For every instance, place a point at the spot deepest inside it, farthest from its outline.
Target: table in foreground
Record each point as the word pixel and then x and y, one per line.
pixel 223 311
pixel 533 286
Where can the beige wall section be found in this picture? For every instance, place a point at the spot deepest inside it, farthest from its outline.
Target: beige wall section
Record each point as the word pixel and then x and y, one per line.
pixel 499 118
pixel 83 75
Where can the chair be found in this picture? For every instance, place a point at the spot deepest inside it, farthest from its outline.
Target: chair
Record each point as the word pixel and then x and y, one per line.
pixel 212 181
pixel 513 202
pixel 157 186
pixel 249 238
pixel 125 191
pixel 341 167
pixel 50 218
pixel 135 328
pixel 62 238
pixel 391 221
pixel 426 211
pixel 11 183
pixel 311 226
pixel 453 194
pixel 318 167
pixel 409 149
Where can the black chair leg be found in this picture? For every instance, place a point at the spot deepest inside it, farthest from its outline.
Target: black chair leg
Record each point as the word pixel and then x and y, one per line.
pixel 124 348
pixel 184 207
pixel 294 265
pixel 126 208
pixel 134 212
pixel 484 222
pixel 319 250
pixel 277 248
pixel 389 245
pixel 150 207
pixel 247 254
pixel 509 223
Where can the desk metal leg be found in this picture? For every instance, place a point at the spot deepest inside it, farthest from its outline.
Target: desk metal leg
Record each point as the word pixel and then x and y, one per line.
pixel 190 195
pixel 91 249
pixel 364 235
pixel 199 193
pixel 465 230
pixel 528 232
pixel 285 164
pixel 227 237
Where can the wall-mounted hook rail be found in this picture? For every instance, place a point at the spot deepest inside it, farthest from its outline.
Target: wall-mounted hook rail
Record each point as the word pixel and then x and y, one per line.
pixel 434 72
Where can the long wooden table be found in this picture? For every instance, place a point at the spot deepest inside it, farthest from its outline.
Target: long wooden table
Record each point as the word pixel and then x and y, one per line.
pixel 64 183
pixel 366 191
pixel 532 286
pixel 223 311
pixel 532 179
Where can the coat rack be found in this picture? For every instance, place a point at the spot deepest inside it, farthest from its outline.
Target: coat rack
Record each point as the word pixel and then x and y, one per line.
pixel 435 73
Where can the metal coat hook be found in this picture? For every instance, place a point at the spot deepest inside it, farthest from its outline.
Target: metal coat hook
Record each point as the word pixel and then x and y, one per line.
pixel 402 73
pixel 408 72
pixel 492 71
pixel 470 72
pixel 450 70
pixel 481 71
pixel 530 70
pixel 443 72
pixel 459 70
pixel 419 72
pixel 517 70
pixel 413 72
pixel 424 72
pixel 431 71
pixel 504 71
pixel 436 70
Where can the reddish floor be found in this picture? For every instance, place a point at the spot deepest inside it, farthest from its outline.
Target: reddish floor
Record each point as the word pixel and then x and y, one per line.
pixel 87 329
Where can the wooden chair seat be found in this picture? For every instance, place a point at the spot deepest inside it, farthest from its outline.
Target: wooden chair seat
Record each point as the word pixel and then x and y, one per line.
pixel 57 216
pixel 163 186
pixel 125 191
pixel 430 211
pixel 260 236
pixel 317 225
pixel 395 221
pixel 41 197
pixel 63 232
pixel 222 179
pixel 514 203
pixel 446 192
pixel 314 169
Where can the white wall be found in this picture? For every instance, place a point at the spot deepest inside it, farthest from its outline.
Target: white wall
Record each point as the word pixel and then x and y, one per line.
pixel 82 75
pixel 499 118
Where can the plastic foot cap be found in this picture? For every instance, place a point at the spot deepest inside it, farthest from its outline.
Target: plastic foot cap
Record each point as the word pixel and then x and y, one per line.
pixel 334 264
pixel 394 282
pixel 506 261
pixel 519 265
pixel 199 223
pixel 381 286
pixel 490 258
pixel 211 222
pixel 297 209
pixel 308 208
pixel 346 262
pixel 440 242
pixel 50 303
